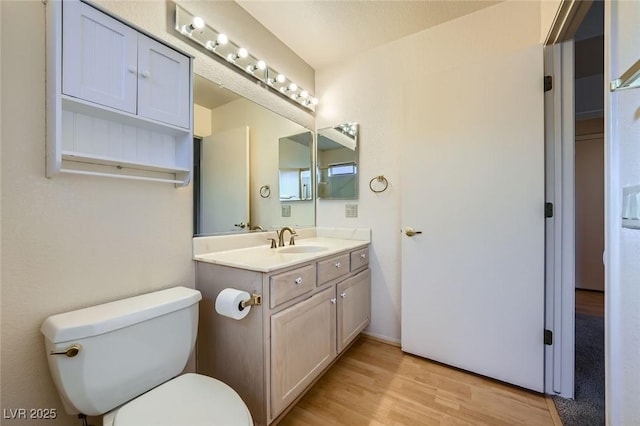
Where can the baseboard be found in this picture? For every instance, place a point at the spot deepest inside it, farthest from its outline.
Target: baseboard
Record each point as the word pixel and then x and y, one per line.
pixel 382 339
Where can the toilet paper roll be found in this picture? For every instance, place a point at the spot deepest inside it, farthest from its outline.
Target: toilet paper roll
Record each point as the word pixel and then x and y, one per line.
pixel 228 303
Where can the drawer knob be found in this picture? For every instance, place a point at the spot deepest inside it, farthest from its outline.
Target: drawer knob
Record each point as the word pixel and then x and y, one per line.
pixel 298 280
pixel 343 294
pixel 333 300
pixel 364 256
pixel 338 265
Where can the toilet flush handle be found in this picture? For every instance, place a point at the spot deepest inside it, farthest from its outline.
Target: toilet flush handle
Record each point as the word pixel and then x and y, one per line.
pixel 71 351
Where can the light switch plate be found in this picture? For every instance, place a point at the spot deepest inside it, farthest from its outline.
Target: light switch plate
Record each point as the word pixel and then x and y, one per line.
pixel 286 210
pixel 631 207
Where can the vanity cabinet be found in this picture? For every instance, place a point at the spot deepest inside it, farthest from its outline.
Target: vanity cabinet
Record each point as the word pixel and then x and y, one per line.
pixel 354 307
pixel 303 343
pixel 310 313
pixel 119 101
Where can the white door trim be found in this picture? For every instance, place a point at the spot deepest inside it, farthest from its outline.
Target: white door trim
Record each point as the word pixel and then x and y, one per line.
pixel 560 229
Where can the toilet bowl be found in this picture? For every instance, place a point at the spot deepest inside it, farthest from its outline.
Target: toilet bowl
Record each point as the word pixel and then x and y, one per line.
pixel 189 399
pixel 123 360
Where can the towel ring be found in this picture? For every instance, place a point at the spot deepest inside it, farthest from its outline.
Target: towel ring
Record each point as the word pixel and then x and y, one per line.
pixel 380 178
pixel 265 191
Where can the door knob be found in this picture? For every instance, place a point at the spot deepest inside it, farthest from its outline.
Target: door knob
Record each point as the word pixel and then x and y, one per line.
pixel 410 232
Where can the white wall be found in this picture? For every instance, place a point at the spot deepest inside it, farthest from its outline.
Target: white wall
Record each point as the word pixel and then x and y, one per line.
pixel 377 77
pixel 265 128
pixel 201 121
pixel 73 241
pixel 548 11
pixel 622 141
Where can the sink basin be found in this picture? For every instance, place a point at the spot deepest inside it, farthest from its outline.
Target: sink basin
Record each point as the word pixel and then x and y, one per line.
pixel 302 249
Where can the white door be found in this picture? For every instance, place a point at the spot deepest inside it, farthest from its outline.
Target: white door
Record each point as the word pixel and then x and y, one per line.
pixel 473 184
pixel 224 181
pixel 99 57
pixel 163 85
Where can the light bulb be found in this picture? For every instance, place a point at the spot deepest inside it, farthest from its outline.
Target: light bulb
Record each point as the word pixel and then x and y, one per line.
pixel 293 87
pixel 280 78
pixel 261 65
pixel 198 23
pixel 304 94
pixel 222 39
pixel 314 101
pixel 242 53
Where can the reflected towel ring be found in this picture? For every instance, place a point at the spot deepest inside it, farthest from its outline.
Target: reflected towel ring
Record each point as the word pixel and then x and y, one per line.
pixel 265 191
pixel 380 178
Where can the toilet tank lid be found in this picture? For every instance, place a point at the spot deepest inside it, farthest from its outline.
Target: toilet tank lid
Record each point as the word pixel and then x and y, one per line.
pixel 100 319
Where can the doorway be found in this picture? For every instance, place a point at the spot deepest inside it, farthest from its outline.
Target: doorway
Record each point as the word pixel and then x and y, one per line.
pixel 589 217
pixel 576 281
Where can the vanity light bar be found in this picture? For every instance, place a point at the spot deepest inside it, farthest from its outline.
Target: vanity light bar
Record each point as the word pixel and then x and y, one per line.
pixel 216 43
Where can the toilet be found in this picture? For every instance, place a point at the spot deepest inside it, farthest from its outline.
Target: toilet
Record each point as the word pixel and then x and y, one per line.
pixel 123 360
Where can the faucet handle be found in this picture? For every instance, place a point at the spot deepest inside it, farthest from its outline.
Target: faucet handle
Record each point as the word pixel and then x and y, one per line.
pixel 292 241
pixel 273 242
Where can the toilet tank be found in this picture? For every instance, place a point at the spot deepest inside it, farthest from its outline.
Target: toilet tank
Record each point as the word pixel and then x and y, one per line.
pixel 126 348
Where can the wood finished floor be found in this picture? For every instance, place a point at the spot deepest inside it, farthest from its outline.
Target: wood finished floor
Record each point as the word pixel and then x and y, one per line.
pixel 377 384
pixel 590 302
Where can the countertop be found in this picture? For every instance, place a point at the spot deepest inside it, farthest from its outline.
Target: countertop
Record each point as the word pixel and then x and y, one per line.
pixel 265 259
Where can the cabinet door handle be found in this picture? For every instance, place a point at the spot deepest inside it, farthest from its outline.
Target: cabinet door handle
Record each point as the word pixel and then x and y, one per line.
pixel 364 256
pixel 298 280
pixel 133 69
pixel 333 300
pixel 338 265
pixel 343 294
pixel 145 74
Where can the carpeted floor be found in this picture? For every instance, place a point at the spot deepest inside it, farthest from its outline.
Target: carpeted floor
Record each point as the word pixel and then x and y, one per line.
pixel 587 409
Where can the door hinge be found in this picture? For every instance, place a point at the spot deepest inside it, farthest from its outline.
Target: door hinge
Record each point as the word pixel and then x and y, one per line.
pixel 548 209
pixel 548 83
pixel 548 337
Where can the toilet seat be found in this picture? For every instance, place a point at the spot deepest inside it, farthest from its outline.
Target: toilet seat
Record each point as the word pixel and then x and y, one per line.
pixel 190 399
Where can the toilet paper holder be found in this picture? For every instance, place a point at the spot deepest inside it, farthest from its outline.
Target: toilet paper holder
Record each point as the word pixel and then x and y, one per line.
pixel 255 299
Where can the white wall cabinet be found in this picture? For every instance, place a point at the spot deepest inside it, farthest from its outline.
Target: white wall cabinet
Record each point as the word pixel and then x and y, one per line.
pixel 310 314
pixel 120 102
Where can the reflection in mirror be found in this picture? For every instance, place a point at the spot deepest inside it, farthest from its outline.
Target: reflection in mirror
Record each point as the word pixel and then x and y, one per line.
pixel 236 153
pixel 337 162
pixel 295 159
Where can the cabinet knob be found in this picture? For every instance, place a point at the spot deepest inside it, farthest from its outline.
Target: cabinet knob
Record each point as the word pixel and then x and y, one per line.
pixel 298 280
pixel 333 300
pixel 343 294
pixel 338 265
pixel 364 256
pixel 133 69
pixel 145 74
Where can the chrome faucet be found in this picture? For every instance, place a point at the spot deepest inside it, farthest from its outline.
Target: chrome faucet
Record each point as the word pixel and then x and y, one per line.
pixel 280 235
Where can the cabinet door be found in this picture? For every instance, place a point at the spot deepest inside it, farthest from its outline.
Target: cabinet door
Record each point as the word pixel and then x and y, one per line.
pixel 354 307
pixel 303 343
pixel 163 85
pixel 99 57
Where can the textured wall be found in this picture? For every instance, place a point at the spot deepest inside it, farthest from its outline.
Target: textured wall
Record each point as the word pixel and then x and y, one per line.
pixel 622 245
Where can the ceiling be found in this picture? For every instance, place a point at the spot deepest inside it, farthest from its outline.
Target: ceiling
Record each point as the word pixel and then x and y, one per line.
pixel 324 32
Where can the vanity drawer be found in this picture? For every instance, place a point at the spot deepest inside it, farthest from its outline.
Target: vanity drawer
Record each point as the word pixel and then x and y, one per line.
pixel 359 258
pixel 291 284
pixel 333 268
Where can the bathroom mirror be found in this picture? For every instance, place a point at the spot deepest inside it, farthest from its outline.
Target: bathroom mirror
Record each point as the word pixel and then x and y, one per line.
pixel 295 157
pixel 337 162
pixel 237 162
